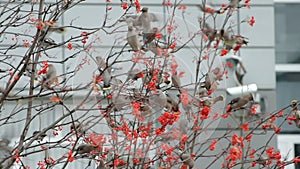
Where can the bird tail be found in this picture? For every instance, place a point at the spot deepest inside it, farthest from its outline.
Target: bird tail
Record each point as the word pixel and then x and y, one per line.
pixel 219 98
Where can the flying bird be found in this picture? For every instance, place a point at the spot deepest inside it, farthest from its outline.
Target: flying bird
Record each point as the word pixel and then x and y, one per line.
pixel 145 20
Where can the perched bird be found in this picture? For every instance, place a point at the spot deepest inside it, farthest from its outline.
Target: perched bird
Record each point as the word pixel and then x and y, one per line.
pixel 160 51
pixel 157 99
pixel 101 165
pixel 294 105
pixel 85 149
pixel 172 104
pixel 28 70
pixel 262 160
pixel 51 77
pixel 48 28
pixel 234 4
pixel 176 80
pixel 136 73
pixel 131 20
pixel 187 160
pixel 156 49
pixel 77 127
pixel 211 80
pixel 56 29
pixel 296 113
pixel 183 126
pixel 40 137
pixel 210 33
pixel 209 9
pixel 145 110
pixel 148 37
pixel 4 145
pixel 239 102
pixel 48 42
pixel 232 40
pixel 105 72
pixel 211 101
pixel 120 101
pixel 201 90
pixel 132 38
pixel 51 27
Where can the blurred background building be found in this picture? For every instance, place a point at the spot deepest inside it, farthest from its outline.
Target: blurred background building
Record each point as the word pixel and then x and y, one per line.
pixel 287 69
pixel 272 57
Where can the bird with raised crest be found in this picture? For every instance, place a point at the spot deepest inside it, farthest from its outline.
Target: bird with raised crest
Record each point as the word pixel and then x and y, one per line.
pixel 239 102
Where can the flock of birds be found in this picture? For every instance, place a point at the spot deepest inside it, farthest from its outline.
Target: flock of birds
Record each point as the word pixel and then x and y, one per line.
pixel 159 98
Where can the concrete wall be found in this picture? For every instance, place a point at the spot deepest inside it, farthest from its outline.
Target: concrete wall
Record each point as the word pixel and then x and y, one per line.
pixel 258 58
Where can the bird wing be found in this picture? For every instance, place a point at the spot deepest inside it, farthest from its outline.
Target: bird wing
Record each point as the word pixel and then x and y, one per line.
pixel 153 17
pixel 235 100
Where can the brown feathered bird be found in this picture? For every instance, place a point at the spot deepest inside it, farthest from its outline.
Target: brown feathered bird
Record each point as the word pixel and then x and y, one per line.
pixel 239 102
pixel 187 160
pixel 85 149
pixel 176 80
pixel 105 72
pixel 296 113
pixel 210 33
pixel 132 38
pixel 211 101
